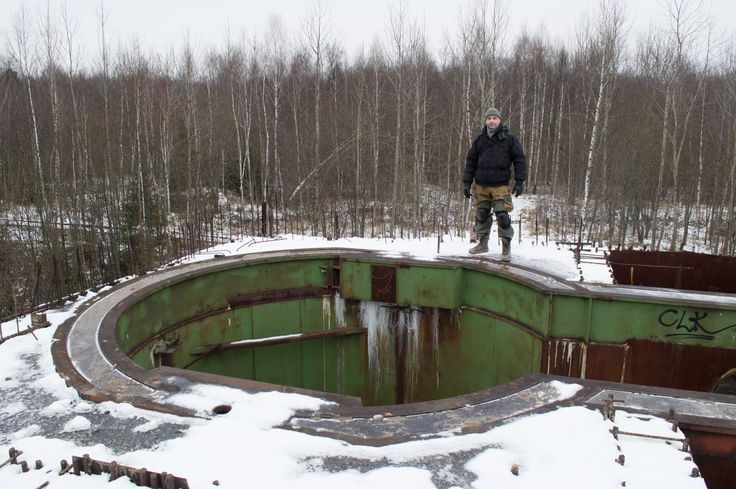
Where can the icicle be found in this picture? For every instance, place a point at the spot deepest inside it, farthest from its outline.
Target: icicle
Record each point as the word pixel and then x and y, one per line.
pixel 570 347
pixel 375 318
pixel 326 311
pixel 436 345
pixel 413 355
pixel 339 311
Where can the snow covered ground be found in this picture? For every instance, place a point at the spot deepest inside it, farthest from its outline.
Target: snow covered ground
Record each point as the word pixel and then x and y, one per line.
pixel 568 448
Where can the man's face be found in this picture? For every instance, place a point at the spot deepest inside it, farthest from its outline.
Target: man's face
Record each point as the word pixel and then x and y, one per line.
pixel 493 121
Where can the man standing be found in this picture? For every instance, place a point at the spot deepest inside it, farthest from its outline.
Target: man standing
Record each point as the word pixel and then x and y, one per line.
pixel 489 163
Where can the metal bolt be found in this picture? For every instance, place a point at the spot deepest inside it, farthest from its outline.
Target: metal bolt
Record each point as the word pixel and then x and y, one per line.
pixel 13 457
pixel 39 464
pixel 695 472
pixel 24 466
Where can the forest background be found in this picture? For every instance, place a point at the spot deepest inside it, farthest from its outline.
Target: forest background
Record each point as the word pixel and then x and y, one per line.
pixel 117 168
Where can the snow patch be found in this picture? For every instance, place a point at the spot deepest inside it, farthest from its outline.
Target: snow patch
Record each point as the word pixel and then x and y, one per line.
pixel 77 423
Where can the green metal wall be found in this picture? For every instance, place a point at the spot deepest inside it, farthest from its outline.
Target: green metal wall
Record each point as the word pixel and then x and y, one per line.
pixel 618 319
pixel 210 292
pixel 492 332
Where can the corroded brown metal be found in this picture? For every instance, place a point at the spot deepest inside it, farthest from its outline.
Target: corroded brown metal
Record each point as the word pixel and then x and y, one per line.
pixel 679 270
pixel 574 358
pixel 332 276
pixel 690 367
pixel 140 477
pixel 563 357
pixel 641 362
pixel 714 451
pixel 606 361
pixel 383 283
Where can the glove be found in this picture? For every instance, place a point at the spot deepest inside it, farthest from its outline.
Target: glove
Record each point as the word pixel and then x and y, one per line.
pixel 518 188
pixel 466 190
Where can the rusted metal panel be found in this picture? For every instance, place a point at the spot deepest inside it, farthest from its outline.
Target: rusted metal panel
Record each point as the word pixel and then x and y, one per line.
pixel 606 362
pixel 383 283
pixel 332 275
pixel 679 270
pixel 563 357
pixel 712 443
pixel 139 477
pixel 574 358
pixel 718 472
pixel 677 366
pixel 714 453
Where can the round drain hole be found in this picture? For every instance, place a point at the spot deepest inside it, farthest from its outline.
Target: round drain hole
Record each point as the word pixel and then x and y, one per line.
pixel 222 409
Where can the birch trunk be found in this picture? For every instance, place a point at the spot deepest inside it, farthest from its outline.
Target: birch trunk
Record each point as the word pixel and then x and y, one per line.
pixel 660 175
pixel 593 135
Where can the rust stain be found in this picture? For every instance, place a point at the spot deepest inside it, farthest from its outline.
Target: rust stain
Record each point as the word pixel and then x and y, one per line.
pixel 677 366
pixel 679 270
pixel 715 454
pixel 383 283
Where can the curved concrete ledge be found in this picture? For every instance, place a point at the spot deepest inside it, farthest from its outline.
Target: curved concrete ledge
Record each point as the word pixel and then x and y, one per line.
pixel 88 357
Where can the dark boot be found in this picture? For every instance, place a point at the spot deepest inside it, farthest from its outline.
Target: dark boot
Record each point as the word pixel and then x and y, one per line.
pixel 506 249
pixel 482 245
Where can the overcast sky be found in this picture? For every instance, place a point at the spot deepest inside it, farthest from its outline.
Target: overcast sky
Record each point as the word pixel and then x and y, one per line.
pixel 162 24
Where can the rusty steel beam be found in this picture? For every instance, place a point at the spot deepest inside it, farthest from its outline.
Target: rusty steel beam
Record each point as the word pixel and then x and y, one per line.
pixel 277 340
pixel 714 451
pixel 140 477
pixel 678 270
pixel 207 350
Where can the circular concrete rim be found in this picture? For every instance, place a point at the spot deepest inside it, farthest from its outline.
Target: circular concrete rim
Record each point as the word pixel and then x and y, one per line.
pixel 166 380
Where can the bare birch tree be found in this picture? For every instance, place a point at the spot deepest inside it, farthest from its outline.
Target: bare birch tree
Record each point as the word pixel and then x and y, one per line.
pixel 22 51
pixel 604 44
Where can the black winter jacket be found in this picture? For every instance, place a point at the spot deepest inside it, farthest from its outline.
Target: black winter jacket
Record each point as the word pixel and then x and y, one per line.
pixel 489 159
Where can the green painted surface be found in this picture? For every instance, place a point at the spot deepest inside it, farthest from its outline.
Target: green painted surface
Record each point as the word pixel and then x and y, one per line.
pixel 569 317
pixel 615 322
pixel 441 354
pixel 511 299
pixel 426 286
pixel 347 362
pixel 465 361
pixel 211 291
pixel 355 279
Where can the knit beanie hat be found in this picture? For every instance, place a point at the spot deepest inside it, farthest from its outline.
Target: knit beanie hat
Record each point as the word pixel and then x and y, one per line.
pixel 492 111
